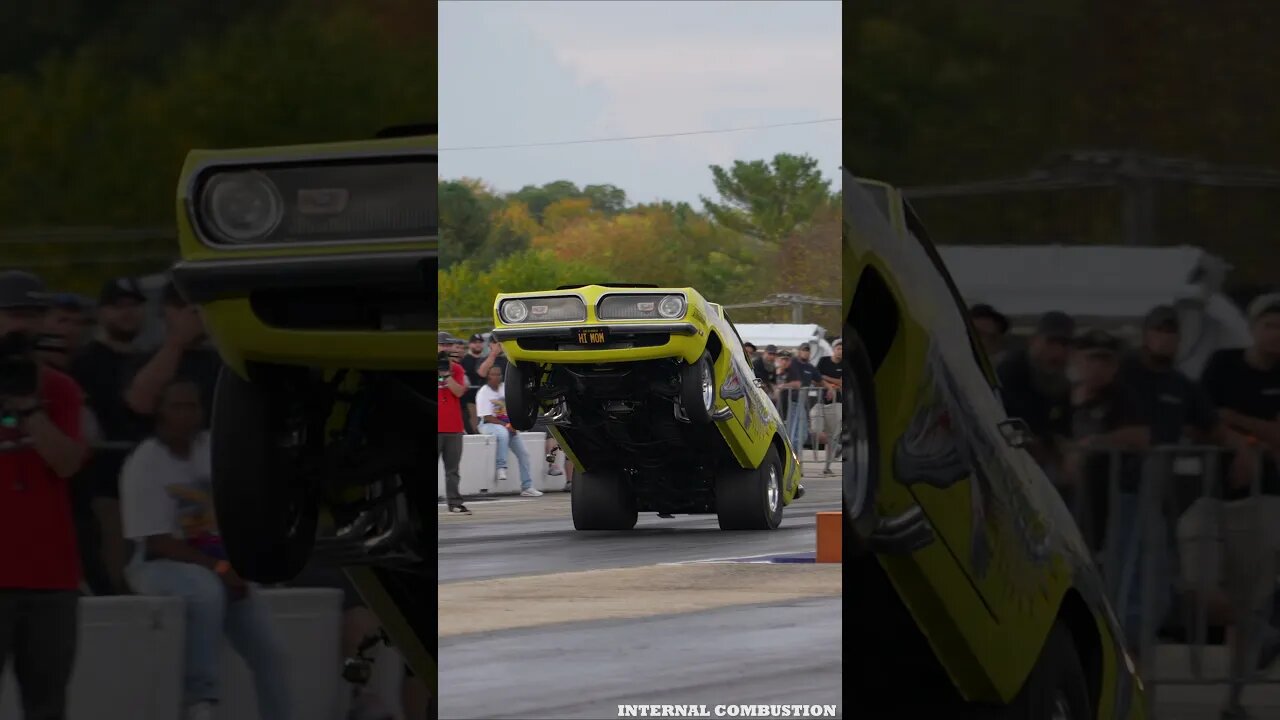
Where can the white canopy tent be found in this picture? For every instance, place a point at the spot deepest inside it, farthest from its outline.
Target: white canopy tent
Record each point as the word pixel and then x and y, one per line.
pixel 787 336
pixel 1104 286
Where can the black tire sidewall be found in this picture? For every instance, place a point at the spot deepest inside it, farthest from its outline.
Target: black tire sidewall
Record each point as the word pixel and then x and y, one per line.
pixel 522 404
pixel 691 389
pixel 591 491
pixel 252 485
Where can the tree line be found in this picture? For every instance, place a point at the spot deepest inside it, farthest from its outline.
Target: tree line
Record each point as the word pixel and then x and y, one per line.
pixel 100 100
pixel 958 92
pixel 773 227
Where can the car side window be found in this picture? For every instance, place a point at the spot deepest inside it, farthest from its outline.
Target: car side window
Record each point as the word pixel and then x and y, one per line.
pixel 732 327
pixel 916 229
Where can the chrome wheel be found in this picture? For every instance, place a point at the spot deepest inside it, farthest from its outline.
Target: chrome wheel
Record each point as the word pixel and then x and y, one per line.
pixel 774 491
pixel 1061 708
pixel 857 447
pixel 708 391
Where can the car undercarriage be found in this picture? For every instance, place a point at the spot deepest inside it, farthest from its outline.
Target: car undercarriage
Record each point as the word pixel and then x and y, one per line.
pixel 628 418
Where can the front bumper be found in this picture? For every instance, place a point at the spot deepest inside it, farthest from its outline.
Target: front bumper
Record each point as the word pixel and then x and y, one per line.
pixel 628 342
pixel 364 311
pixel 207 281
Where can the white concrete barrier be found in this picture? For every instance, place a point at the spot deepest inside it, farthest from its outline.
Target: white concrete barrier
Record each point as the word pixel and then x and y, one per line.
pixel 309 624
pixel 129 663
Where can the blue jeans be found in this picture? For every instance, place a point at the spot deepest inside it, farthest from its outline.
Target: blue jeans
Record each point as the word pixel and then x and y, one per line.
pixel 246 622
pixel 797 423
pixel 1130 583
pixel 507 440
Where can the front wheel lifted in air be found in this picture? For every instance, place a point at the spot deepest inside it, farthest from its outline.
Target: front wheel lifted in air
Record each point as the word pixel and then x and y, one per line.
pixel 698 391
pixel 266 508
pixel 521 384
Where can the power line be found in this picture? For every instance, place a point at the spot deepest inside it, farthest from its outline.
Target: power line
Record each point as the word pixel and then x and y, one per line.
pixel 631 138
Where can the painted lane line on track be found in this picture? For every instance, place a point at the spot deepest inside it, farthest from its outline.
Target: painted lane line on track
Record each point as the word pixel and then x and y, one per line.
pixel 739 558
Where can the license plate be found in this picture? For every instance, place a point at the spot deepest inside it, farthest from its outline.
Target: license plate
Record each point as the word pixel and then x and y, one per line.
pixel 592 336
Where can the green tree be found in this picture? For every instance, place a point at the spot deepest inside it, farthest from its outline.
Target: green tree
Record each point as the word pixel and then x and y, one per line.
pixel 464 222
pixel 608 199
pixel 538 197
pixel 768 200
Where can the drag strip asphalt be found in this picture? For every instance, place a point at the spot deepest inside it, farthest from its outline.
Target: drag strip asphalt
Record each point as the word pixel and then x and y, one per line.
pixel 773 653
pixel 535 536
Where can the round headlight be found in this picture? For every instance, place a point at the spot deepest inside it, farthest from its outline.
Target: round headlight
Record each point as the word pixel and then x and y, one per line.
pixel 242 207
pixel 672 306
pixel 514 311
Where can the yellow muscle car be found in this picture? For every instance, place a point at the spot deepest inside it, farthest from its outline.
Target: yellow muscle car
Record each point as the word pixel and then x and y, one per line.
pixel 971 591
pixel 649 393
pixel 312 266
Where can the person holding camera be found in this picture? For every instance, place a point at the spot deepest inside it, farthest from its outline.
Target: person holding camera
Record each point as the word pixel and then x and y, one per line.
pixel 41 448
pixel 453 385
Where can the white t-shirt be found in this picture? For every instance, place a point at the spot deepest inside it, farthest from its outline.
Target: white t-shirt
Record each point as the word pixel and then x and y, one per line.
pixel 492 402
pixel 158 490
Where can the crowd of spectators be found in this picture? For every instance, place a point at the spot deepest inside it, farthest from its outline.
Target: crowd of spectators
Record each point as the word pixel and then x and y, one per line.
pixel 1100 412
pixel 105 490
pixel 809 396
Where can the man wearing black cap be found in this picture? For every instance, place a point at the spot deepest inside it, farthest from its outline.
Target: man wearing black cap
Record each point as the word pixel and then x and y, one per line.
pixel 1244 384
pixel 993 330
pixel 104 369
pixel 1177 408
pixel 1034 386
pixel 41 447
pixel 1107 415
pixel 449 426
pixel 764 367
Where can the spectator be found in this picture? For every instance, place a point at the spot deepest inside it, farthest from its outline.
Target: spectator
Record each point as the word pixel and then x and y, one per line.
pixel 471 364
pixel 804 371
pixel 1178 411
pixel 40 448
pixel 1034 386
pixel 1177 408
pixel 449 426
pixel 827 413
pixel 63 330
pixel 789 381
pixel 749 349
pixel 1106 416
pixel 764 369
pixel 993 331
pixel 185 354
pixel 61 336
pixel 1244 384
pixel 491 403
pixel 104 368
pixel 167 508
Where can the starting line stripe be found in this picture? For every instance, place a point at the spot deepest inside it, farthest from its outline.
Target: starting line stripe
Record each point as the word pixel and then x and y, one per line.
pixel 798 556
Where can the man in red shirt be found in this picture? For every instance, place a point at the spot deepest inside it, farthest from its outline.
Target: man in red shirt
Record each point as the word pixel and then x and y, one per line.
pixel 453 385
pixel 40 448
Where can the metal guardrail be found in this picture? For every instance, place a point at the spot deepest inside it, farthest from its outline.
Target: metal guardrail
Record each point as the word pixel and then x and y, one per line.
pixel 806 416
pixel 1169 536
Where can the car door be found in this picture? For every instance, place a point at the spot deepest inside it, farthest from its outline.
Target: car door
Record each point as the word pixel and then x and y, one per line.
pixel 1005 544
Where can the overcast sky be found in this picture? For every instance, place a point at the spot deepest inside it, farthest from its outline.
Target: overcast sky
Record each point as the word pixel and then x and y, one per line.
pixel 534 72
